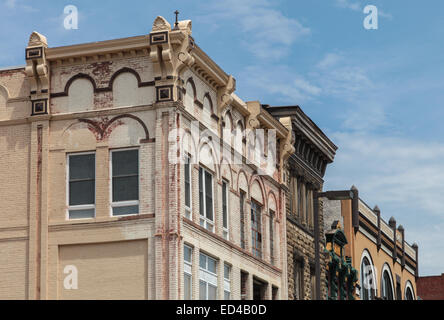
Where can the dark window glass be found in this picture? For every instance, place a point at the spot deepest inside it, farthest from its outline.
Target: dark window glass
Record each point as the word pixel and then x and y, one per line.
pixel 125 167
pixel 201 200
pixel 271 232
pixel 187 183
pixel 256 229
pixel 224 205
pixel 81 179
pixel 242 219
pixel 298 280
pixel 206 197
pixel 387 287
pixel 409 294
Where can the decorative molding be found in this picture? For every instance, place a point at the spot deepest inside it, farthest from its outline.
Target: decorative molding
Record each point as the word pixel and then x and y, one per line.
pixel 109 88
pixel 102 129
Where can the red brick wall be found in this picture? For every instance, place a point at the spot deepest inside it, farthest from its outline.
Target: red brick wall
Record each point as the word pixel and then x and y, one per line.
pixel 431 288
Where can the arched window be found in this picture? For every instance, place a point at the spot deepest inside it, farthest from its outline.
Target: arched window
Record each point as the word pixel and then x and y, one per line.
pixel 387 286
pixel 408 295
pixel 367 277
pixel 190 95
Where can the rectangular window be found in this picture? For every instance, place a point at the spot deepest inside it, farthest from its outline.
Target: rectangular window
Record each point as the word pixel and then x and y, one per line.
pixel 271 236
pixel 242 219
pixel 227 282
pixel 207 277
pixel 206 199
pixel 244 280
pixel 125 182
pixel 293 195
pixel 187 174
pixel 298 280
pixel 81 185
pixel 256 229
pixel 313 283
pixel 225 209
pixel 274 293
pixel 300 202
pixel 187 272
pixel 308 216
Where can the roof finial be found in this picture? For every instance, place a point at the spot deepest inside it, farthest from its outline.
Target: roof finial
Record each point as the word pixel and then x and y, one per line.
pixel 176 24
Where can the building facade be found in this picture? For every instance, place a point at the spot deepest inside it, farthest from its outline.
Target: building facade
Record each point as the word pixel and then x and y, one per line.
pixel 118 179
pixel 430 287
pixel 386 265
pixel 311 153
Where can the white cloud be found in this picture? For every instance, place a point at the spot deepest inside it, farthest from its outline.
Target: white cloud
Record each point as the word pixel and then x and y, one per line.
pixel 334 76
pixel 266 31
pixel 281 81
pixel 10 3
pixel 352 5
pixel 329 60
pixel 404 177
pixel 359 7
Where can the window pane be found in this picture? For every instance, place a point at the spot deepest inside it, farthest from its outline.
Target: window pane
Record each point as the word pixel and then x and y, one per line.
pixel 226 295
pixel 227 272
pixel 119 211
pixel 202 290
pixel 224 205
pixel 211 265
pixel 201 200
pixel 81 192
pixel 81 214
pixel 202 261
pixel 212 290
pixel 82 166
pixel 187 185
pixel 187 286
pixel 125 162
pixel 187 254
pixel 209 195
pixel 125 188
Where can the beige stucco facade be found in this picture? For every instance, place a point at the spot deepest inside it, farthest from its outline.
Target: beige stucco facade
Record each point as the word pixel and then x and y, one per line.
pixel 382 244
pixel 130 93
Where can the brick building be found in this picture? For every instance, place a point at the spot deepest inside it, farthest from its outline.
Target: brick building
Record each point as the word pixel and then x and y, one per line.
pixel 430 287
pixel 386 264
pixel 311 153
pixel 105 193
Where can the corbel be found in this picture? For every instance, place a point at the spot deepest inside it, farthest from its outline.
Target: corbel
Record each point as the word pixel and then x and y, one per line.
pixel 37 71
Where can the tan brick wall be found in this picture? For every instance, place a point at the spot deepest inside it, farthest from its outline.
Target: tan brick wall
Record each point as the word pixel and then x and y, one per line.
pixel 118 257
pixel 115 270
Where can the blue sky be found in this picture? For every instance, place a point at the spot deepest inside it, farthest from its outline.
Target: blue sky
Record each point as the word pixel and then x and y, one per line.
pixel 377 93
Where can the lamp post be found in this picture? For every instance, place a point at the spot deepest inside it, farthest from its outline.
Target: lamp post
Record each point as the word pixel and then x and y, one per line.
pixel 352 194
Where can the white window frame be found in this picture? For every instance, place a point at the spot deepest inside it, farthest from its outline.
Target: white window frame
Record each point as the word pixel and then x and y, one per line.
pixel 207 276
pixel 83 206
pixel 188 269
pixel 225 230
pixel 188 209
pixel 366 254
pixel 271 236
pixel 227 281
pixel 122 203
pixel 408 286
pixel 203 220
pixel 383 288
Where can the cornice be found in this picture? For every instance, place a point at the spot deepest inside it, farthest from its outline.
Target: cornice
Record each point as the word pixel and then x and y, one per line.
pixel 206 67
pixel 98 48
